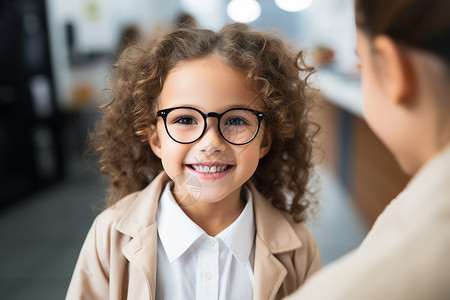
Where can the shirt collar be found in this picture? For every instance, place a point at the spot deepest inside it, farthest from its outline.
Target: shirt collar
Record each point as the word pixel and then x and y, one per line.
pixel 176 231
pixel 239 236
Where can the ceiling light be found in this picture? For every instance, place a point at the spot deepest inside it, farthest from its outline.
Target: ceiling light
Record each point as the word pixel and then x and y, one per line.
pixel 244 11
pixel 293 5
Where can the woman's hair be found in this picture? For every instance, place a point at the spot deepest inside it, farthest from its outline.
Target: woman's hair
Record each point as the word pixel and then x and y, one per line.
pixel 274 71
pixel 423 24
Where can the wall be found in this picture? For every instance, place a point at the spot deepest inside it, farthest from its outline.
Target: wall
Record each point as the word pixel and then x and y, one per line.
pixel 330 23
pixel 98 24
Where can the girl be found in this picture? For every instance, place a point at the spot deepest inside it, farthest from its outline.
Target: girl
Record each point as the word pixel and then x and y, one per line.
pixel 405 53
pixel 205 135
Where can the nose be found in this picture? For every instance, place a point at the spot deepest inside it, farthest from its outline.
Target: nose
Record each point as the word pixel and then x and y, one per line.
pixel 212 142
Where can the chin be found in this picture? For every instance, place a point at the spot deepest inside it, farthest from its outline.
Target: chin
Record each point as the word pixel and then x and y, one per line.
pixel 408 166
pixel 210 196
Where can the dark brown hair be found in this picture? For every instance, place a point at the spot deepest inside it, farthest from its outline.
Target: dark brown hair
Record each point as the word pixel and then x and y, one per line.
pixel 423 24
pixel 276 72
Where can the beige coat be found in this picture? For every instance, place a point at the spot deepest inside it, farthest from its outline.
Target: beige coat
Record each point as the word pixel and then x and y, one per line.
pixel 406 255
pixel 118 258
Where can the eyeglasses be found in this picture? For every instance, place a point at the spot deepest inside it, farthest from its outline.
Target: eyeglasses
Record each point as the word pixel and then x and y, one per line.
pixel 185 125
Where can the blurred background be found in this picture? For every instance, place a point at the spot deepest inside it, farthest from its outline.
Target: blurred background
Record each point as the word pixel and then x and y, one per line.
pixel 54 56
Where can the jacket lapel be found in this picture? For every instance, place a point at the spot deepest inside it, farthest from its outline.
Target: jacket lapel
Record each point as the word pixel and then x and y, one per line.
pixel 274 235
pixel 269 272
pixel 142 252
pixel 139 222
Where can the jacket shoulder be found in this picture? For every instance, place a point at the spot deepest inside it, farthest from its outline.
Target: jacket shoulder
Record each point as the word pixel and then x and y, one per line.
pixel 115 212
pixel 300 228
pixel 307 257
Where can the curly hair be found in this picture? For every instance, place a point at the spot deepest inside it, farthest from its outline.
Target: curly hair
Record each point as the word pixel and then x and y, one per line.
pixel 276 72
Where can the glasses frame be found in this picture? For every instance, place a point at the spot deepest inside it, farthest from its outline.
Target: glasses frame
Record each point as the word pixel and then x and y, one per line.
pixel 164 112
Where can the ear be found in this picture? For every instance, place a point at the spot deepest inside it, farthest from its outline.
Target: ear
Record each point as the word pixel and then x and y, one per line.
pixel 153 140
pixel 395 69
pixel 265 145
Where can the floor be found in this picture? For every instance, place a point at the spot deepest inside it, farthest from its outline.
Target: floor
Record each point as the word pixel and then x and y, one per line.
pixel 41 236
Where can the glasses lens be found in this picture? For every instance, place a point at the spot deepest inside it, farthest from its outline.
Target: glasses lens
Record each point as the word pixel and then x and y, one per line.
pixel 184 125
pixel 238 126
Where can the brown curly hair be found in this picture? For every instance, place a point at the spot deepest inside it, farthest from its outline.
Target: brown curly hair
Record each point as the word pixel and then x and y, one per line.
pixel 275 71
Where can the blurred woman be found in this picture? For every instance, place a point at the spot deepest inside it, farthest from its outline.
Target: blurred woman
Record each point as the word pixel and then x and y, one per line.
pixel 404 47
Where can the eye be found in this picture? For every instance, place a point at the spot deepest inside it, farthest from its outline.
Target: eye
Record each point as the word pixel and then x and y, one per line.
pixel 235 121
pixel 185 120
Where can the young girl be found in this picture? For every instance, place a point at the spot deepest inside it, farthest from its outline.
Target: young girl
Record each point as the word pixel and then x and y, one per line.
pixel 205 136
pixel 404 48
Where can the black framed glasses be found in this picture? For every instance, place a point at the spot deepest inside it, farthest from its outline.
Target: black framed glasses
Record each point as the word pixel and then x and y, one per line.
pixel 185 125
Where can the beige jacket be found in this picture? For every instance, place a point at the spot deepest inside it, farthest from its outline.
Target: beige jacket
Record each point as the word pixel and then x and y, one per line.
pixel 406 255
pixel 118 258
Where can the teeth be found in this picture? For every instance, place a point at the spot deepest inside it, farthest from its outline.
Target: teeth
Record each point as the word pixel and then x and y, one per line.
pixel 206 169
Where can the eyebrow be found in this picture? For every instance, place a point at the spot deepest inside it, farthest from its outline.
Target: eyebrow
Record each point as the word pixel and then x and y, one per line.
pixel 226 108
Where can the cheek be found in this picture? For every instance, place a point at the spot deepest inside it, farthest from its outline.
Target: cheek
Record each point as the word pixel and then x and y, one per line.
pixel 378 114
pixel 373 103
pixel 248 156
pixel 172 154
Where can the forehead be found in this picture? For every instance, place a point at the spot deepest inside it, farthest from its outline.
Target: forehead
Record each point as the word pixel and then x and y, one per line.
pixel 208 84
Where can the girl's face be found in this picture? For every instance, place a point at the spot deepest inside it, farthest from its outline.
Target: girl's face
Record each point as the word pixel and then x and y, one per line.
pixel 210 169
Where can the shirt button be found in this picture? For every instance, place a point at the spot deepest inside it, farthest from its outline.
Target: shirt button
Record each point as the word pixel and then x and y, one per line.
pixel 210 241
pixel 207 275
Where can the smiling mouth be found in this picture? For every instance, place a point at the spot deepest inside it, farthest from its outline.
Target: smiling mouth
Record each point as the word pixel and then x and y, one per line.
pixel 211 169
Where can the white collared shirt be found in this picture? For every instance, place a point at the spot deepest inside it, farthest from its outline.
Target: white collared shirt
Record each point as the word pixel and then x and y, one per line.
pixel 194 265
